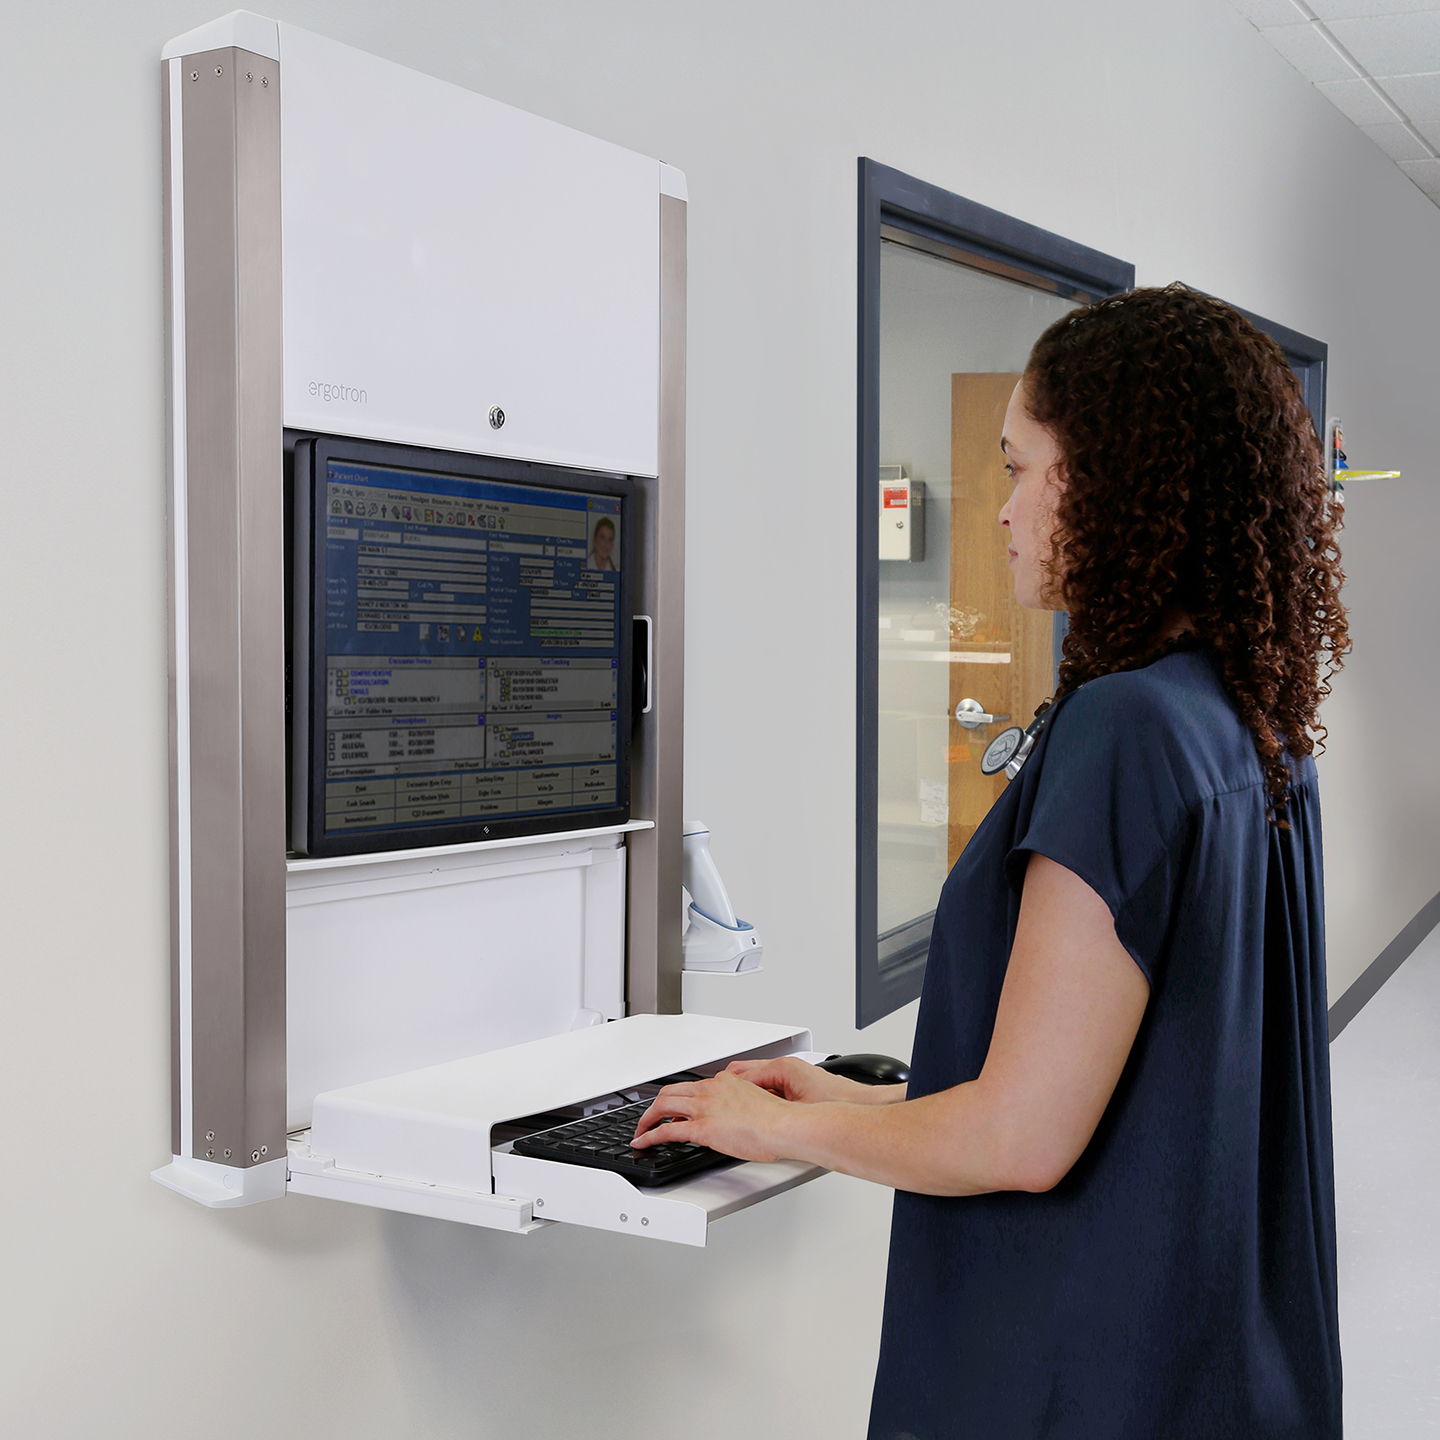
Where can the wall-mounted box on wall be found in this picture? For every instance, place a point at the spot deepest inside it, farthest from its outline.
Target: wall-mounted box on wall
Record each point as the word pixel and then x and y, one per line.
pixel 902 515
pixel 369 257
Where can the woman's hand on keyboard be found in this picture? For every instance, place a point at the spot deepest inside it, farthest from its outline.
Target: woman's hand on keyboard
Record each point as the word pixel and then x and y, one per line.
pixel 798 1080
pixel 727 1113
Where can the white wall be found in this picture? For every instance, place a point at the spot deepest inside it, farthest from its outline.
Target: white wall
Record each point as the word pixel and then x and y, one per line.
pixel 1170 134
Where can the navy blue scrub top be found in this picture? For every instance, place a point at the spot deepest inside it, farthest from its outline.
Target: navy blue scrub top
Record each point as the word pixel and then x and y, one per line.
pixel 1180 1280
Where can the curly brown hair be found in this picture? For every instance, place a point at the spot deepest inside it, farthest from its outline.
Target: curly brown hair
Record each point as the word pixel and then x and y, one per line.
pixel 1192 487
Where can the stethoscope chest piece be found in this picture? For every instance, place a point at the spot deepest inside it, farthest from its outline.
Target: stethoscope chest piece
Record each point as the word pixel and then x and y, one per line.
pixel 1010 749
pixel 1001 750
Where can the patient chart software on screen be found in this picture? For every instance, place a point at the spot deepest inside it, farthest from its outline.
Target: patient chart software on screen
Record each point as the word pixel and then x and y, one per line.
pixel 472 650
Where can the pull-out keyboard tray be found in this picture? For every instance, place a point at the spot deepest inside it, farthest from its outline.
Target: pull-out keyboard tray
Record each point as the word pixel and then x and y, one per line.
pixel 440 1141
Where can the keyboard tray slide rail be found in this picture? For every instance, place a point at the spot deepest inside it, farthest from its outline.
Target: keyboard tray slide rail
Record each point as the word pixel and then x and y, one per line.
pixel 316 1175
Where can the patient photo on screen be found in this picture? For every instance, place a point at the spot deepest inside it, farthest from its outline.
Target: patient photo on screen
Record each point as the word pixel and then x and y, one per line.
pixel 604 546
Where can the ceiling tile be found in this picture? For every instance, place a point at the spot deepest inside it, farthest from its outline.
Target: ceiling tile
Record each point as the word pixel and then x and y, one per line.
pixel 1358 101
pixel 1392 44
pixel 1426 174
pixel 1417 95
pixel 1376 61
pixel 1305 48
pixel 1269 12
pixel 1329 10
pixel 1430 129
pixel 1397 141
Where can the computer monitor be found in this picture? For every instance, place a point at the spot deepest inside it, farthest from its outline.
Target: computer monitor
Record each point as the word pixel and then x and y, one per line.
pixel 461 635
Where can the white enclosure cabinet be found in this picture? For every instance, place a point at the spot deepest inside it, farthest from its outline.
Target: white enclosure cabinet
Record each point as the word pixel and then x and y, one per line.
pixel 354 249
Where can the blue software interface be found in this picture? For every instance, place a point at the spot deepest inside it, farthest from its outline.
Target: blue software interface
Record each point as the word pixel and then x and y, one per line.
pixel 472 639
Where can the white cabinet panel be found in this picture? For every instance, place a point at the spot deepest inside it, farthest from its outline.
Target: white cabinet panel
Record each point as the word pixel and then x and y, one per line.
pixel 407 962
pixel 445 254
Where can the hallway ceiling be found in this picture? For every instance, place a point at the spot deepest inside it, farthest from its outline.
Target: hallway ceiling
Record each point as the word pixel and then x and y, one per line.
pixel 1377 60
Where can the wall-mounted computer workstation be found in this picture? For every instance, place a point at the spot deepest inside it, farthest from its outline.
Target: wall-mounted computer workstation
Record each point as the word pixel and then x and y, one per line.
pixel 426 360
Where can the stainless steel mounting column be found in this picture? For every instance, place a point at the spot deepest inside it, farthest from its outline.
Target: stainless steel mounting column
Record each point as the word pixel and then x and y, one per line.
pixel 653 959
pixel 227 740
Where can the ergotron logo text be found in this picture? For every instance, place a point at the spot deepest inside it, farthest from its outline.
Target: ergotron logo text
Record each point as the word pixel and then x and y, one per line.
pixel 327 393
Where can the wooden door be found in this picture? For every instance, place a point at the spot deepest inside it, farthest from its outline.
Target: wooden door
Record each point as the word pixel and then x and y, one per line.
pixel 1000 653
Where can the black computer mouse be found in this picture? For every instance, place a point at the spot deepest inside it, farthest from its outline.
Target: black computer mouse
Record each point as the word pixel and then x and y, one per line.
pixel 868 1069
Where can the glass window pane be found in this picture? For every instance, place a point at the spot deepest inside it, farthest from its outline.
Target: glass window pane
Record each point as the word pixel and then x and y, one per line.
pixel 953 342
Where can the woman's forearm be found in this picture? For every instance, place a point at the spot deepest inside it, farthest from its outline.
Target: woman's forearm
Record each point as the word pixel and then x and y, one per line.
pixel 945 1144
pixel 1069 1011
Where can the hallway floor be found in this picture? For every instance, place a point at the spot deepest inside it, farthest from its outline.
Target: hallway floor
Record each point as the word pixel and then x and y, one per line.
pixel 1385 1083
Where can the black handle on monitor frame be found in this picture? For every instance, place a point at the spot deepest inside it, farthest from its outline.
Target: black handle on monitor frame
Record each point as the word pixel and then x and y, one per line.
pixel 643 656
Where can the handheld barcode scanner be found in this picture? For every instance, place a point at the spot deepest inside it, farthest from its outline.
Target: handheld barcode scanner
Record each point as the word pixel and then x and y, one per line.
pixel 1011 748
pixel 717 938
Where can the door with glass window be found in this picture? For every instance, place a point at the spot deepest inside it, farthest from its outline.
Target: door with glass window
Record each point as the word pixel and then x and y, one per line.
pixel 947 658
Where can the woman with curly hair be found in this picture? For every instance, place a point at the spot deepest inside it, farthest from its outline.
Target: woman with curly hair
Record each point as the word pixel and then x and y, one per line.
pixel 1115 1203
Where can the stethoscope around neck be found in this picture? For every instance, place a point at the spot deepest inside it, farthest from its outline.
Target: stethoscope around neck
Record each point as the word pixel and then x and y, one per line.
pixel 1011 748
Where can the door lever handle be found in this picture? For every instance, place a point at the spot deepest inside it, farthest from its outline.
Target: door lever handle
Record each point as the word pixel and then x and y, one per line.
pixel 971 714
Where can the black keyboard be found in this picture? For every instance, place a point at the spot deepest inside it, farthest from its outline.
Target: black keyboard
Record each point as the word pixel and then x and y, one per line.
pixel 603 1142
